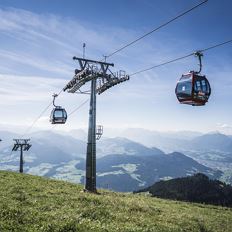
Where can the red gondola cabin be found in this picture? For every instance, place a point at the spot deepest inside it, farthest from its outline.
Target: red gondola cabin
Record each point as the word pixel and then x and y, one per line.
pixel 193 89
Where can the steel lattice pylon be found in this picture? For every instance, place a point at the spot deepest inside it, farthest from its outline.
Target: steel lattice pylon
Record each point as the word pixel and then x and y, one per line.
pixel 101 80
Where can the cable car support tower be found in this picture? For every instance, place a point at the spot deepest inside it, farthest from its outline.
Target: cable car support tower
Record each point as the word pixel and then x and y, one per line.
pixel 22 145
pixel 101 78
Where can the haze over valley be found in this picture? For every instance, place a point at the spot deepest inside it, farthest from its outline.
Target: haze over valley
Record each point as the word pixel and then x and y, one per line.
pixel 124 163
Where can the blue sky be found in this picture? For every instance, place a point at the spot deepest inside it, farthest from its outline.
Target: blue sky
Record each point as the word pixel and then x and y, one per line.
pixel 39 38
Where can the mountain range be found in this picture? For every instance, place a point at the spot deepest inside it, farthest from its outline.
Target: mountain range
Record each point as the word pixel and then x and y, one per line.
pixel 184 140
pixel 122 164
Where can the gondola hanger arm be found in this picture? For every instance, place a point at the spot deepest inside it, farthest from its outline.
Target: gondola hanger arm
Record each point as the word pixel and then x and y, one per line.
pixel 199 54
pixel 54 97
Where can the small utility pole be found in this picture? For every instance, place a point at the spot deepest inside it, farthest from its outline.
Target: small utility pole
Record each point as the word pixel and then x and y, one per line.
pixel 22 145
pixel 101 78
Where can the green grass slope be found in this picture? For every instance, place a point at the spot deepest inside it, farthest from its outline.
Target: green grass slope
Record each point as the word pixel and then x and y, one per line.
pixel 30 203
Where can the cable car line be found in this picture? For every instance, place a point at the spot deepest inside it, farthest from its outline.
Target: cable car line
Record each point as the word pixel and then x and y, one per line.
pixel 120 49
pixel 135 73
pixel 76 109
pixel 217 45
pixel 127 45
pixel 34 122
pixel 40 115
pixel 162 64
pixel 46 108
pixel 156 29
pixel 81 105
pixel 180 58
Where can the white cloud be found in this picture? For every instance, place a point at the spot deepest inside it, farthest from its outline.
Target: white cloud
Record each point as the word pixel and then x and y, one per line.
pixel 15 89
pixel 35 61
pixel 48 42
pixel 224 126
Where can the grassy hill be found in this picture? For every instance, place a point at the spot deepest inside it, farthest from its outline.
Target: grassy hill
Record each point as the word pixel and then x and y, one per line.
pixel 30 203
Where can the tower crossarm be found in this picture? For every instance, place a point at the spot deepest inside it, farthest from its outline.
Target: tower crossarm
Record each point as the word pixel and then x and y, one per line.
pixel 112 80
pixel 89 70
